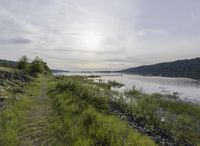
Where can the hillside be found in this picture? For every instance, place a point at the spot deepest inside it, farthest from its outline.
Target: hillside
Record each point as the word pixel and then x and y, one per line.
pixel 58 70
pixel 7 63
pixel 181 68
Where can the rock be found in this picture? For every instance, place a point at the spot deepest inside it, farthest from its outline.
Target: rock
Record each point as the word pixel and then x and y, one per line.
pixel 148 132
pixel 159 136
pixel 169 144
pixel 2 100
pixel 17 98
pixel 162 143
pixel 3 97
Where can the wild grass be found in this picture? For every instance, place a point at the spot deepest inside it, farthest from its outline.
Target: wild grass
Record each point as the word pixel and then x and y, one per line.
pixel 83 119
pixel 11 118
pixel 115 84
pixel 179 119
pixel 10 70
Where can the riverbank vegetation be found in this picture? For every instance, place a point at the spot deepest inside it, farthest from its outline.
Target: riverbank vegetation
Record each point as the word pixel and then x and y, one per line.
pixel 178 119
pixel 83 117
pixel 80 111
pixel 166 115
pixel 115 84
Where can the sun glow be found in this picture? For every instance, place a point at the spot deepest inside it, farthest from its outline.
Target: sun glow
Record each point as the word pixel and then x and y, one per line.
pixel 91 40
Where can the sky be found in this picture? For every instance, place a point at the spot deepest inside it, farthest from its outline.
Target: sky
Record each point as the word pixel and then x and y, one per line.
pixel 100 34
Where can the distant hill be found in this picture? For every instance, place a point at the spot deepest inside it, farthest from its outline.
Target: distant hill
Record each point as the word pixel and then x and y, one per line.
pixel 7 63
pixel 103 71
pixel 189 68
pixel 58 70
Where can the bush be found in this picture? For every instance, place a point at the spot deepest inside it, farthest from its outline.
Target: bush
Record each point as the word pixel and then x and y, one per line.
pixel 37 66
pixel 23 64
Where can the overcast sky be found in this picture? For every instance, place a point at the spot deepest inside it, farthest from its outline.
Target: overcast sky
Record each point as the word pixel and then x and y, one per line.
pixel 100 34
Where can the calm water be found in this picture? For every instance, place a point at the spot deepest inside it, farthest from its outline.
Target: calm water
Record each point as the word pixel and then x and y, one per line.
pixel 187 89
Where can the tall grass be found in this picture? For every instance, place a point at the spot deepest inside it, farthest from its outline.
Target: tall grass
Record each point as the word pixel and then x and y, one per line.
pixel 179 119
pixel 82 117
pixel 11 118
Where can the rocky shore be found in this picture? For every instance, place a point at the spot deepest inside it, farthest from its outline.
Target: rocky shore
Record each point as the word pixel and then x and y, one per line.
pixel 10 81
pixel 157 134
pixel 15 75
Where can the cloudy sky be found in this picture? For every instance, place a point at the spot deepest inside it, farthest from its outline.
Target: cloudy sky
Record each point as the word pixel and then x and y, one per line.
pixel 100 34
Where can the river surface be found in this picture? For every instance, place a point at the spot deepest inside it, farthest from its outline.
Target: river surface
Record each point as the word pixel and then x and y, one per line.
pixel 187 89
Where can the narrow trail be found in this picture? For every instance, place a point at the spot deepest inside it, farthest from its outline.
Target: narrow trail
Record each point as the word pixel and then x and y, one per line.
pixel 35 130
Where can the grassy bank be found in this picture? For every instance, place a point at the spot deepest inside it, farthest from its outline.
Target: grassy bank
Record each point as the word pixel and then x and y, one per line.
pixel 79 114
pixel 74 113
pixel 82 116
pixel 180 120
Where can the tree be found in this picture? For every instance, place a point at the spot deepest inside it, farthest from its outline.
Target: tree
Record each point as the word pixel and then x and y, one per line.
pixel 23 63
pixel 38 66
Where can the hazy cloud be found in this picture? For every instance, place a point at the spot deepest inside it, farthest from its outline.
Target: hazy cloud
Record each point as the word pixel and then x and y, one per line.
pixel 100 34
pixel 14 41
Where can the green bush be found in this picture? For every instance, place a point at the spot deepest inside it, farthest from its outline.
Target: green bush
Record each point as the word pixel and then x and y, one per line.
pixel 23 64
pixel 83 93
pixel 35 67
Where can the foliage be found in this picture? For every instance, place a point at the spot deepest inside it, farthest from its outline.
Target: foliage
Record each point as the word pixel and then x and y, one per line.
pixel 12 117
pixel 177 118
pixel 23 63
pixel 83 119
pixel 38 66
pixel 35 67
pixel 115 84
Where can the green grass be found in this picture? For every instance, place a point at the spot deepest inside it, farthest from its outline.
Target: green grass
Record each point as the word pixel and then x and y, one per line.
pixel 115 84
pixel 82 116
pixel 7 69
pixel 181 119
pixel 11 118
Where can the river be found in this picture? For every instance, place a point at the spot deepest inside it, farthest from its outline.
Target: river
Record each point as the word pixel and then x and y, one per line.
pixel 187 89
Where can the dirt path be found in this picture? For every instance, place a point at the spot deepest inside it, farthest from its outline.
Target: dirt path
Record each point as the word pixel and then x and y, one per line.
pixel 35 130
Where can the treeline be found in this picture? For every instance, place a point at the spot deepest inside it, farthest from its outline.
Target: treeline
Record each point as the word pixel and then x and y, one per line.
pixel 34 67
pixel 182 68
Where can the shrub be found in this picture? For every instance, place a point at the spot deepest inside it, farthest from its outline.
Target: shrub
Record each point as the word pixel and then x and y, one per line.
pixel 23 64
pixel 37 66
pixel 83 117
